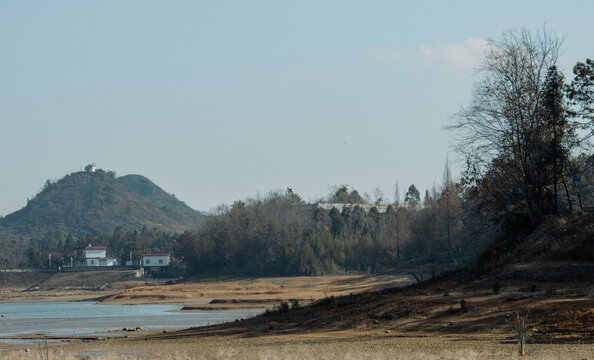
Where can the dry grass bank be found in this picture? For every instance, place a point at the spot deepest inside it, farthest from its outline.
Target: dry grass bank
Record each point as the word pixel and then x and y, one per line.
pixel 122 287
pixel 233 293
pixel 337 345
pixel 75 286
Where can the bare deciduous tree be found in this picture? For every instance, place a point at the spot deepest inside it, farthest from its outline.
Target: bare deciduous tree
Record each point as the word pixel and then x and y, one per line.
pixel 503 133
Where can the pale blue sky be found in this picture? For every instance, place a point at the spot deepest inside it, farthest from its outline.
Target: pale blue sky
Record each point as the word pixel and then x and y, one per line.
pixel 217 101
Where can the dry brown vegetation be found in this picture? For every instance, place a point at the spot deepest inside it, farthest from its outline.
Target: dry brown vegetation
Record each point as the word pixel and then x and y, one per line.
pixel 221 293
pixel 457 304
pixel 335 345
pixel 75 286
pixel 122 287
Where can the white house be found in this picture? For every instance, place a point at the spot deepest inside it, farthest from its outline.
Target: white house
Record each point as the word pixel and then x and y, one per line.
pixel 91 168
pixel 155 260
pixel 97 256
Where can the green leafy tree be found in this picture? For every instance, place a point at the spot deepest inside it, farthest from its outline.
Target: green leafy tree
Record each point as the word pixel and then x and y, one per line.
pixel 581 96
pixel 337 222
pixel 341 195
pixel 33 256
pixel 413 196
pixel 561 135
pixel 355 198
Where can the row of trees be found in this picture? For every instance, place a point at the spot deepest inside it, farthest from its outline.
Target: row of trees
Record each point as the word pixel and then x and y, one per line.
pixel 281 235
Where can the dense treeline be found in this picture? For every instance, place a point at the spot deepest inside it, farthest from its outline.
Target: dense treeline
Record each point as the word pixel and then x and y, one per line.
pixel 280 234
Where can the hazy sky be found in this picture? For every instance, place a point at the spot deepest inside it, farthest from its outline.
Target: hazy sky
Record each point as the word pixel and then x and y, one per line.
pixel 217 101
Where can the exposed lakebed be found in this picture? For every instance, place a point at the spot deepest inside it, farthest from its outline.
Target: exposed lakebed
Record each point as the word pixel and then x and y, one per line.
pixel 87 317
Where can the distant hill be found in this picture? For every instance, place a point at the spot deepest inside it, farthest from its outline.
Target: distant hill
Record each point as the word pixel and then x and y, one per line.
pixel 85 202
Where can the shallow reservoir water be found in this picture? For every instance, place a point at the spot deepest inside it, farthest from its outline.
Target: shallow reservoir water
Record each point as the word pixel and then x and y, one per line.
pixel 87 317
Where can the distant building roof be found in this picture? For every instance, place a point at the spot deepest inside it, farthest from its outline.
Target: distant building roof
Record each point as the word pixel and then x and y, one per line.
pixel 155 255
pixel 95 247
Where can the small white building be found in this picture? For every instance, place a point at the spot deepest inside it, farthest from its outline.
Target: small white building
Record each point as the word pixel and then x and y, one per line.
pixel 155 260
pixel 97 256
pixel 91 168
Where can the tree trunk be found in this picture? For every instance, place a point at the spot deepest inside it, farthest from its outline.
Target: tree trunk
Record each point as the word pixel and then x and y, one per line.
pixel 579 196
pixel 567 193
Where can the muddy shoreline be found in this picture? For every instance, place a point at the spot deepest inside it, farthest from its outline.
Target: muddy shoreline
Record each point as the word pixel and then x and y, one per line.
pixel 459 316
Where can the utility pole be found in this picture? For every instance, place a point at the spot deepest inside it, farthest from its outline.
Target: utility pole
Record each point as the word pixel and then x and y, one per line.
pixel 49 257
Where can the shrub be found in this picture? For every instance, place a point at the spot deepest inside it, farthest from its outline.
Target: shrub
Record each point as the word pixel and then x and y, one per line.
pixel 283 308
pixel 496 288
pixel 464 305
pixel 295 304
pixel 521 330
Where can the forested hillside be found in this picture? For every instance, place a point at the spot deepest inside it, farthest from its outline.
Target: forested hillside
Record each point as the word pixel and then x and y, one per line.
pixel 86 202
pixel 97 202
